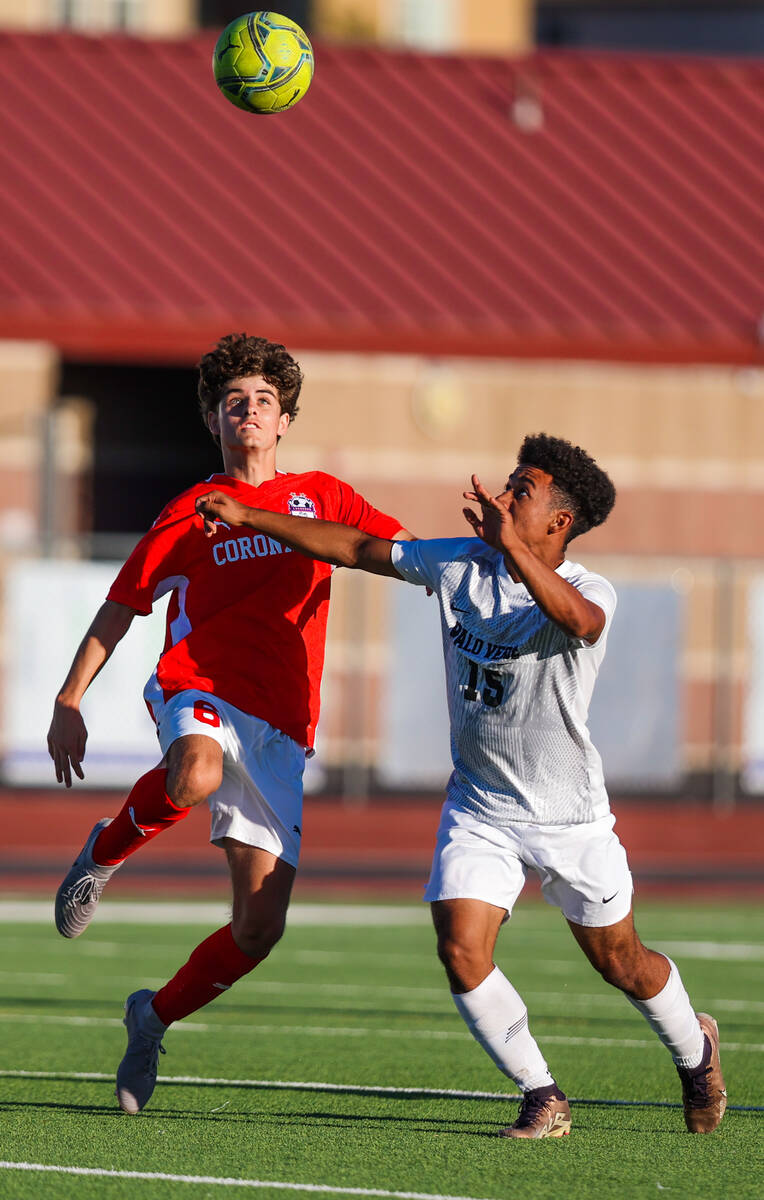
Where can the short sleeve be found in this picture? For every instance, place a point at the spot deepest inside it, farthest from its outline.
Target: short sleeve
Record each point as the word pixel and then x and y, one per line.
pixel 138 583
pixel 600 592
pixel 422 562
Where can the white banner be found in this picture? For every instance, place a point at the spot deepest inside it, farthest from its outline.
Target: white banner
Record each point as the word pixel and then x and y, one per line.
pixel 635 714
pixel 48 608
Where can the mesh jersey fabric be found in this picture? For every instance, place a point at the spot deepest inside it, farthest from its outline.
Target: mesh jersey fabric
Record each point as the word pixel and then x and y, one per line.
pixel 518 686
pixel 246 619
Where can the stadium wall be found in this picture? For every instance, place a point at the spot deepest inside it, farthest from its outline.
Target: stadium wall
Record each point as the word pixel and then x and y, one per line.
pixel 682 443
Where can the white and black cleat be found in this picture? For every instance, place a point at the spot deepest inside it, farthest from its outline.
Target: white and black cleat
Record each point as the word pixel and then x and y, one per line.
pixel 78 896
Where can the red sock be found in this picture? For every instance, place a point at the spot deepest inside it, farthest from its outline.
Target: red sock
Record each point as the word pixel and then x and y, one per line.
pixel 146 812
pixel 213 967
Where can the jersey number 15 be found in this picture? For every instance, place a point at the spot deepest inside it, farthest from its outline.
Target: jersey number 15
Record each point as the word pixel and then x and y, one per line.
pixel 492 691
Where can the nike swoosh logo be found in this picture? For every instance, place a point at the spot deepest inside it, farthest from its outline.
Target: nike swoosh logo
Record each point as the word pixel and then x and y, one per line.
pixel 606 900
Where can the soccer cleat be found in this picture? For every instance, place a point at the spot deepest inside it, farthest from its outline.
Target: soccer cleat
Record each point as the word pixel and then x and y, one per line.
pixel 544 1112
pixel 703 1090
pixel 78 896
pixel 137 1073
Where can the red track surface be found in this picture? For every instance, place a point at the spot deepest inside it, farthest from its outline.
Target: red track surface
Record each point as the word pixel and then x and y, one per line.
pixel 382 846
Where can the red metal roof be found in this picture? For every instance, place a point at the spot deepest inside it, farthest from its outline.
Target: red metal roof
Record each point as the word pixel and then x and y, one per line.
pixel 560 204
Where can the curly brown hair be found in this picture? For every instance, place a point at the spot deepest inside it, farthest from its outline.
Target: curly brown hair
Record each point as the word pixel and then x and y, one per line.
pixel 237 355
pixel 581 484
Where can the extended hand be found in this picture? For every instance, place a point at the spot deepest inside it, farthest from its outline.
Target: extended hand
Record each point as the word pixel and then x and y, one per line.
pixel 219 506
pixel 494 524
pixel 66 742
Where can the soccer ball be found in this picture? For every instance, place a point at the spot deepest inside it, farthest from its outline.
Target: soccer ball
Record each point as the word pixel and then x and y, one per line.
pixel 263 62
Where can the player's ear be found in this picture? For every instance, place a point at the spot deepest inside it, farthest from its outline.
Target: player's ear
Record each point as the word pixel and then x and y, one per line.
pixel 562 522
pixel 283 423
pixel 213 422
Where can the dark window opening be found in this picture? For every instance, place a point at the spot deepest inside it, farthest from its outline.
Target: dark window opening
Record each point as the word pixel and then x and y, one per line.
pixel 214 13
pixel 691 28
pixel 149 442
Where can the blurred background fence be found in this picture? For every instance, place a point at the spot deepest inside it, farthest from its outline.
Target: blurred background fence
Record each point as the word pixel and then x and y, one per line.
pixel 486 219
pixel 678 709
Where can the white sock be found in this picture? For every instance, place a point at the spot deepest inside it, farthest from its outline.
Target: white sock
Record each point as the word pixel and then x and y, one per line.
pixel 673 1018
pixel 497 1018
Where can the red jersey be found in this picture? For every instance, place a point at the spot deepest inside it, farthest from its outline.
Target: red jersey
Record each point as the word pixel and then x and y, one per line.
pixel 246 619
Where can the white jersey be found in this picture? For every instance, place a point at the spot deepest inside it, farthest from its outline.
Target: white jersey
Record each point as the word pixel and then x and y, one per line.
pixel 518 687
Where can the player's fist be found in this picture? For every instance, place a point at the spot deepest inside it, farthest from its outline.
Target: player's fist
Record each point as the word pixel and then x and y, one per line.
pixel 219 506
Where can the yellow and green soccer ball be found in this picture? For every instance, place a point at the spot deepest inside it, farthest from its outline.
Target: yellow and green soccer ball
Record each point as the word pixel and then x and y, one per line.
pixel 263 62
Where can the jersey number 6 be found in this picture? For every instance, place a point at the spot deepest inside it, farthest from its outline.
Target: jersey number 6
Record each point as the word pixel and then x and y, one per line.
pixel 206 713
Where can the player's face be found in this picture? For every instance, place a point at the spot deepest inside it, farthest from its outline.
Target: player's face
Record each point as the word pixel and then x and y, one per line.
pixel 532 503
pixel 248 415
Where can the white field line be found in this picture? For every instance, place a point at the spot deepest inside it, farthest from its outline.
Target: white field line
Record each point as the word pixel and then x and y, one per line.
pixel 351 1031
pixel 284 1085
pixel 35 977
pixel 97 948
pixel 727 951
pixel 607 998
pixel 128 912
pixel 205 912
pixel 266 1030
pixel 354 1089
pixel 221 1181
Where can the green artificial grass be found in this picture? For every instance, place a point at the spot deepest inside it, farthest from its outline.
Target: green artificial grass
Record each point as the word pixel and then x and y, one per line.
pixel 365 1008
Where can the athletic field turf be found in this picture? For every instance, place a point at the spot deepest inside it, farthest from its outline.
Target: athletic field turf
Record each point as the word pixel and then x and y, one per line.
pixel 329 1069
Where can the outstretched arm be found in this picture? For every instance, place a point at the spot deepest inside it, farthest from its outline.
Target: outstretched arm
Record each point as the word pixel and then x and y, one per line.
pixel 67 734
pixel 328 541
pixel 558 599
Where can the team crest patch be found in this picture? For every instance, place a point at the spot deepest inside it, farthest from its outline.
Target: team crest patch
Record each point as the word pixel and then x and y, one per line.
pixel 301 505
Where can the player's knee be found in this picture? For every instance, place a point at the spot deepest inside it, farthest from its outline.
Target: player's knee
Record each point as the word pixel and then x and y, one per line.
pixel 194 781
pixel 256 936
pixel 464 961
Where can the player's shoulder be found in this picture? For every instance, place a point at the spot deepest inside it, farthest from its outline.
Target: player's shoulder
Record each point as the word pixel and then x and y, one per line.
pixel 576 573
pixel 444 550
pixel 314 477
pixel 446 547
pixel 593 586
pixel 459 549
pixel 184 502
pixel 310 493
pixel 312 483
pixel 321 482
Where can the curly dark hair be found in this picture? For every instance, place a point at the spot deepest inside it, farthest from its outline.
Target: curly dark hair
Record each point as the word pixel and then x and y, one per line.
pixel 237 355
pixel 581 485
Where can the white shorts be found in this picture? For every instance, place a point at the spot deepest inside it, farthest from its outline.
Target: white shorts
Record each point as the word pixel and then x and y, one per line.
pixel 259 801
pixel 582 868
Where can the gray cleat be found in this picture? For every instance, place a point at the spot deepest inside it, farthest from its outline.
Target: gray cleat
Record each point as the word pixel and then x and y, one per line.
pixel 78 896
pixel 137 1073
